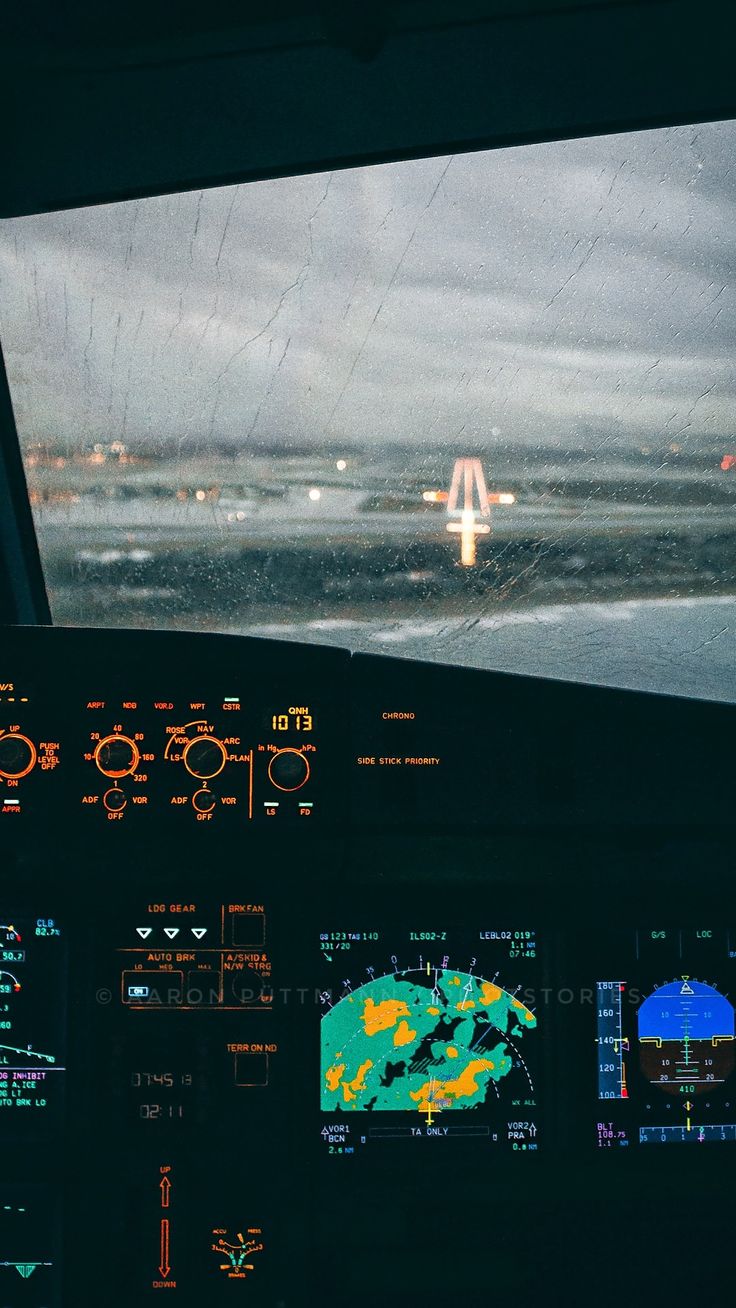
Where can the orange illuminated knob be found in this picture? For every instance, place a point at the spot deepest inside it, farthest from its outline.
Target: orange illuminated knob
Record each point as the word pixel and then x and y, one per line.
pixel 114 800
pixel 117 756
pixel 17 756
pixel 288 769
pixel 204 801
pixel 204 757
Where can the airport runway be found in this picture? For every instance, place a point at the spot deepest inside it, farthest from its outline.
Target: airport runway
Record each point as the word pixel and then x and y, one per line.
pixel 338 518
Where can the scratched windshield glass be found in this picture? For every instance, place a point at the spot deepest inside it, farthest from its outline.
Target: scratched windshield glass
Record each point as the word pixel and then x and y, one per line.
pixel 478 409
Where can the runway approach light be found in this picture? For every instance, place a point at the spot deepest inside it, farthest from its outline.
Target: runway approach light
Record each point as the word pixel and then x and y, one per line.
pixel 435 497
pixel 468 482
pixel 341 465
pixel 315 494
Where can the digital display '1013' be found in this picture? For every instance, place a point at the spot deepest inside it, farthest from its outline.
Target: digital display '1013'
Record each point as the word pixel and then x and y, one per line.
pixel 297 719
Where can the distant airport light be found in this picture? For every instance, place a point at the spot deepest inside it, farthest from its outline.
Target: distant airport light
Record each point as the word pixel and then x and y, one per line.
pixel 468 521
pixel 468 529
pixel 468 481
pixel 200 495
pixel 315 494
pixel 435 497
pixel 728 462
pixel 341 465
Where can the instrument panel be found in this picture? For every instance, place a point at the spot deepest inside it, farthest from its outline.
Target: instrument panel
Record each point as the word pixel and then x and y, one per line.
pixel 119 748
pixel 665 1036
pixel 263 1040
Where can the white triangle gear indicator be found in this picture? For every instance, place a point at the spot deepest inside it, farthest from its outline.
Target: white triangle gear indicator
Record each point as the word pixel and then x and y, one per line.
pixel 198 932
pixel 171 932
pixel 144 932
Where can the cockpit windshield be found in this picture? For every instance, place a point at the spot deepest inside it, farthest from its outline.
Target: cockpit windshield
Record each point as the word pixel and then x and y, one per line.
pixel 478 409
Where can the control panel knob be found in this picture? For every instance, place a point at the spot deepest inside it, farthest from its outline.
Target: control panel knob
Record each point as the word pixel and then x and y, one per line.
pixel 204 801
pixel 115 800
pixel 117 756
pixel 17 756
pixel 204 757
pixel 288 769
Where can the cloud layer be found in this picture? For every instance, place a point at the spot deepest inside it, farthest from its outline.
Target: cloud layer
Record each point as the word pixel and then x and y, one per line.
pixel 556 293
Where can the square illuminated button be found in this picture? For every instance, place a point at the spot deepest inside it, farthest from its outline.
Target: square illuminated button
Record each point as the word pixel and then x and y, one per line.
pixel 249 928
pixel 203 987
pixel 159 989
pixel 251 1069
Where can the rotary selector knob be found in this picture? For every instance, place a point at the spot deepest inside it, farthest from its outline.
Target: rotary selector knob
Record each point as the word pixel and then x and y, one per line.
pixel 204 757
pixel 288 769
pixel 203 801
pixel 117 756
pixel 115 800
pixel 17 756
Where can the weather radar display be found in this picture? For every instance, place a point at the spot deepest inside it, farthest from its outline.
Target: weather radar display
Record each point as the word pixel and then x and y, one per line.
pixel 431 1037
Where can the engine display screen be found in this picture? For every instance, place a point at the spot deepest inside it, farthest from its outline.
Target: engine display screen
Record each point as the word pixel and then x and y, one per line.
pixel 428 1035
pixel 32 1021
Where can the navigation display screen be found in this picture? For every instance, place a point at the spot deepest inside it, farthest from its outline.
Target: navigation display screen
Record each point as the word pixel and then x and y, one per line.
pixel 428 1035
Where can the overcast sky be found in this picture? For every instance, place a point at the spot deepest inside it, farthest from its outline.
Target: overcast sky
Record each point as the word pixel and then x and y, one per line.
pixel 558 293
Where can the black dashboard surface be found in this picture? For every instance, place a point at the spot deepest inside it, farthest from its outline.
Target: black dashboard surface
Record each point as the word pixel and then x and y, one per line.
pixel 354 980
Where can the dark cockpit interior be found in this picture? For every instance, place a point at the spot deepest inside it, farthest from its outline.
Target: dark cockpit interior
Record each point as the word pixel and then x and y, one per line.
pixel 367 922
